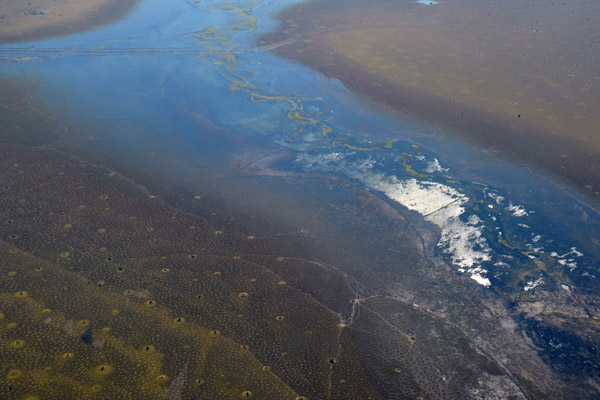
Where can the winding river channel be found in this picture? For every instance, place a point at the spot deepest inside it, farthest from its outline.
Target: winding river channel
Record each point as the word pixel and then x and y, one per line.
pixel 416 243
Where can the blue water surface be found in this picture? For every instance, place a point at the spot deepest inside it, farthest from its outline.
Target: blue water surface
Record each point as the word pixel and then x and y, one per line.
pixel 188 80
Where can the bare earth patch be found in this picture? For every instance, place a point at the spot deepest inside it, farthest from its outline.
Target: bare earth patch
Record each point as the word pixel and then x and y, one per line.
pixel 522 79
pixel 36 19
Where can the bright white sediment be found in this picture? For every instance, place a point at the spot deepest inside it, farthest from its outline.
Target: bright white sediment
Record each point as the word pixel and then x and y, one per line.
pixel 435 166
pixel 439 204
pixel 533 284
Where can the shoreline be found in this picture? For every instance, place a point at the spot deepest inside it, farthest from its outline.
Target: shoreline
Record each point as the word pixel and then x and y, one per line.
pixel 44 19
pixel 564 154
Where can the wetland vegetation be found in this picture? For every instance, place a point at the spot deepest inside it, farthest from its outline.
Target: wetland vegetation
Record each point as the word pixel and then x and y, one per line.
pixel 185 215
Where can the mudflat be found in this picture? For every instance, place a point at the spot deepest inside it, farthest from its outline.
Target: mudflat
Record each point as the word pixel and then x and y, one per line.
pixel 520 78
pixel 37 19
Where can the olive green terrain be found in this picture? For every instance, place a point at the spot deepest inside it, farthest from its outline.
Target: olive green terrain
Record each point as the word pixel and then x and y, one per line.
pixel 110 292
pixel 166 305
pixel 124 283
pixel 107 292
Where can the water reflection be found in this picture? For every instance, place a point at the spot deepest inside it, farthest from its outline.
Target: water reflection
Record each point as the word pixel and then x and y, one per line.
pixel 186 214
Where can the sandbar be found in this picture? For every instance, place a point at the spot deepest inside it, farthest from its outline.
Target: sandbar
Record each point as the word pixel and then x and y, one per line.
pixel 22 21
pixel 520 79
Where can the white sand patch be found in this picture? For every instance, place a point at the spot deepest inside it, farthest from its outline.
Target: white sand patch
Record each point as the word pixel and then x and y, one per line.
pixel 496 197
pixel 434 166
pixel 533 284
pixel 517 211
pixel 439 204
pixel 568 259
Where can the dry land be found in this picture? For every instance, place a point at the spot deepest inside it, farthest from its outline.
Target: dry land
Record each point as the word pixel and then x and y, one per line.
pixel 37 19
pixel 521 78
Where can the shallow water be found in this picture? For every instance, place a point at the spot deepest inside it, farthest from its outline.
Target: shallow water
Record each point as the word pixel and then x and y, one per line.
pixel 248 147
pixel 518 78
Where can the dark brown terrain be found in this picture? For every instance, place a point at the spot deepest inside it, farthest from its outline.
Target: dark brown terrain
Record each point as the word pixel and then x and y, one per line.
pixel 38 19
pixel 518 78
pixel 264 286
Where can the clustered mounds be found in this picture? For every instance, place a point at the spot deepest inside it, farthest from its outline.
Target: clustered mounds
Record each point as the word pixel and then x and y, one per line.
pixel 162 379
pixel 17 344
pixel 14 374
pixel 103 370
pixel 117 307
